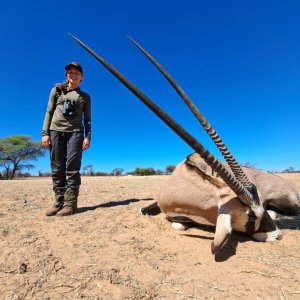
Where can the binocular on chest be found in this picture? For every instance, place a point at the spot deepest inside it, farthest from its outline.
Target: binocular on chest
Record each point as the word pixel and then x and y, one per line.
pixel 68 108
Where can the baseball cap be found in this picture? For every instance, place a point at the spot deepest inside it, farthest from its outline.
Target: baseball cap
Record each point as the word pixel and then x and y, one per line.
pixel 74 64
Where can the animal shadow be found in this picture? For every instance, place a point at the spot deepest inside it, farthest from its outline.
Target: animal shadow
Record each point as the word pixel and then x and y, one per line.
pixel 288 222
pixel 229 249
pixel 110 204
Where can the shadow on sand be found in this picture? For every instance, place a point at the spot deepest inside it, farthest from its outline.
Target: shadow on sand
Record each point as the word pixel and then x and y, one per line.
pixel 229 249
pixel 110 204
pixel 288 222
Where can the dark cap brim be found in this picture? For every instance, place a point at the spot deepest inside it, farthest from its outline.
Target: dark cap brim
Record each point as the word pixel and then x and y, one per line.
pixel 74 65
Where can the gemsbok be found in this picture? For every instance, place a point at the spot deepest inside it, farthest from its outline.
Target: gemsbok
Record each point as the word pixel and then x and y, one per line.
pixel 202 187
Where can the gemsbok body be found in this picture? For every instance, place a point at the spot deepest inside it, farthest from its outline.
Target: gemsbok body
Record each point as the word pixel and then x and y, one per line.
pixel 203 187
pixel 195 193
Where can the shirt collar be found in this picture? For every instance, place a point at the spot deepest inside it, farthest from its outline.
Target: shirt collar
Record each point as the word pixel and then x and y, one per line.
pixel 70 89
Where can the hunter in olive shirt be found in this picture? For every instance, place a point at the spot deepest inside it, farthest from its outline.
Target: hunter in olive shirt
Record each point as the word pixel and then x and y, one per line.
pixel 56 120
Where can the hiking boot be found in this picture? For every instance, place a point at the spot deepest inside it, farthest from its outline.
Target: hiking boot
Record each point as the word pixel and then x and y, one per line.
pixel 70 197
pixel 67 211
pixel 53 211
pixel 70 202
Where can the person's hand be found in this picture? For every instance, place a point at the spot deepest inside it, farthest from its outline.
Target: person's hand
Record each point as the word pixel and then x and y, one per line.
pixel 46 141
pixel 86 144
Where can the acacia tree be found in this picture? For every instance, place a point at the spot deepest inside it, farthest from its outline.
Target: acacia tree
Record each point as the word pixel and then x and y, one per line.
pixel 89 169
pixel 170 169
pixel 16 151
pixel 117 171
pixel 289 170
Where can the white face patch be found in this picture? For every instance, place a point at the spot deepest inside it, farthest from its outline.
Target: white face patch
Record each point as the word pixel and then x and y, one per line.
pixel 225 218
pixel 268 236
pixel 272 214
pixel 227 222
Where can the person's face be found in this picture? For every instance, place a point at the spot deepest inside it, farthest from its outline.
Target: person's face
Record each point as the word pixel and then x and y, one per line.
pixel 74 76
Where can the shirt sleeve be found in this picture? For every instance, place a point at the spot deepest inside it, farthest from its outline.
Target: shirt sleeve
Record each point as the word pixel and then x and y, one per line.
pixel 49 113
pixel 87 118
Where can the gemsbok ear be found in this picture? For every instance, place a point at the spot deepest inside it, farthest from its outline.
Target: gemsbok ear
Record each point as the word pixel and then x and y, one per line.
pixel 223 230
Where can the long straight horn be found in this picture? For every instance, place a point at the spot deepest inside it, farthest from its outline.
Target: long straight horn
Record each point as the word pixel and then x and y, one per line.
pixel 244 195
pixel 233 164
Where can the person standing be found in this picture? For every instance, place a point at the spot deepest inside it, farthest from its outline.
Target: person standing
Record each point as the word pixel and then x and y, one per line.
pixel 66 133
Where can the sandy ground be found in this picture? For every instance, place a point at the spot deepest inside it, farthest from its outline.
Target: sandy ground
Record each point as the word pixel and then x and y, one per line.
pixel 109 251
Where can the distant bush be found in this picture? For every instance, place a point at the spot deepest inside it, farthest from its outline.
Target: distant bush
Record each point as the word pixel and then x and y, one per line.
pixel 101 174
pixel 26 174
pixel 88 171
pixel 143 172
pixel 44 174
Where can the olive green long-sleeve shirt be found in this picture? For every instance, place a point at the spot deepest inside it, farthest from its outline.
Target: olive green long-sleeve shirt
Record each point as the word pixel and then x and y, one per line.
pixel 79 121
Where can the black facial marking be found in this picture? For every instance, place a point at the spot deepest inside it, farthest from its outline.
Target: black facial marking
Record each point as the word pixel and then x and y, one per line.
pixel 250 225
pixel 266 223
pixel 253 190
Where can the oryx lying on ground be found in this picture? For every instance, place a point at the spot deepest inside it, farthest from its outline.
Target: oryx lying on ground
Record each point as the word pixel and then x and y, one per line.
pixel 194 192
pixel 203 187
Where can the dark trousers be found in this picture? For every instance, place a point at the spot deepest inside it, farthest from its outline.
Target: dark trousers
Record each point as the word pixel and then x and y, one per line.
pixel 65 155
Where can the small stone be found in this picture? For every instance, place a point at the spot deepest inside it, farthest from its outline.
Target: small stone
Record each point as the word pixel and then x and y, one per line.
pixel 22 268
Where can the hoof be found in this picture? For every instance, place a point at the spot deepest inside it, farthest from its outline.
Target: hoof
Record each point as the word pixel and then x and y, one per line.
pixel 179 226
pixel 152 209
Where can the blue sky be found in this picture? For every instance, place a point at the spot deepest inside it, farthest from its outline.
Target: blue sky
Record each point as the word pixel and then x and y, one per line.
pixel 239 61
